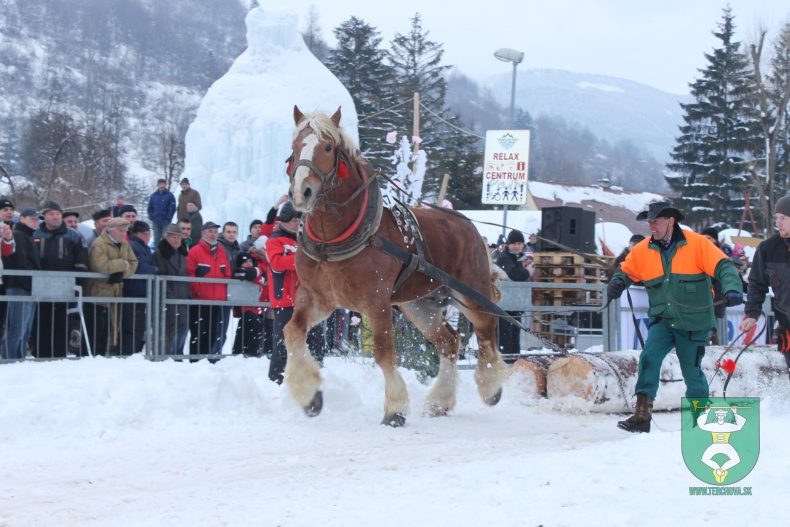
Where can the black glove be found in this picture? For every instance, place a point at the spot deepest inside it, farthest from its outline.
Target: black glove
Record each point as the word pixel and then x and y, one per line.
pixel 115 278
pixel 615 289
pixel 734 298
pixel 246 274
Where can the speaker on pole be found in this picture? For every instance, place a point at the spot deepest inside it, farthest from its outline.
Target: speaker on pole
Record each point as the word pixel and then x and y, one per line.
pixel 570 226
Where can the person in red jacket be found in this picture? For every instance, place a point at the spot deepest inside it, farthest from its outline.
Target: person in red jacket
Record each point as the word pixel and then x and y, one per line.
pixel 281 253
pixel 207 260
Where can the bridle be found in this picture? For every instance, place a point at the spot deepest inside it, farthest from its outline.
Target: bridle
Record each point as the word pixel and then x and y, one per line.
pixel 330 180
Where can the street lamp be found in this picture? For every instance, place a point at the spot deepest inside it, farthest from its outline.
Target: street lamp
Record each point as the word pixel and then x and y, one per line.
pixel 510 55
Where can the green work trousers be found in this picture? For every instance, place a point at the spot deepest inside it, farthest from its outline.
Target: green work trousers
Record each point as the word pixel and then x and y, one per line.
pixel 690 348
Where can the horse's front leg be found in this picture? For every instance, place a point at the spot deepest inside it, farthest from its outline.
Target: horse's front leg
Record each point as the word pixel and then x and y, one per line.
pixel 396 398
pixel 301 370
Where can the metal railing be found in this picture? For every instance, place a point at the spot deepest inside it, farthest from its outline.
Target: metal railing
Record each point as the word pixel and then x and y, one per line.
pixel 68 324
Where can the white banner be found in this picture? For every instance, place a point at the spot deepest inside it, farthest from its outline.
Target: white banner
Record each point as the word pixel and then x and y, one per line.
pixel 629 339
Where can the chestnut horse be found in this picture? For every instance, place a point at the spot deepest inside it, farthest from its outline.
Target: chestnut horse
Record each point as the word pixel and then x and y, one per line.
pixel 328 184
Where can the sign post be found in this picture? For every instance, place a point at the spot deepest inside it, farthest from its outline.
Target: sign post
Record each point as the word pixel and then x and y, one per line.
pixel 505 169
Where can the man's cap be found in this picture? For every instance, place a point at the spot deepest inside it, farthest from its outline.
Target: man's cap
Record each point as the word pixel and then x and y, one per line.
pixel 71 213
pixel 783 206
pixel 99 214
pixel 253 223
pixel 192 202
pixel 636 238
pixel 288 212
pixel 241 258
pixel 515 237
pixel 185 180
pixel 210 225
pixel 125 209
pixel 50 206
pixel 710 231
pixel 173 229
pixel 5 202
pixel 140 226
pixel 660 209
pixel 117 222
pixel 29 211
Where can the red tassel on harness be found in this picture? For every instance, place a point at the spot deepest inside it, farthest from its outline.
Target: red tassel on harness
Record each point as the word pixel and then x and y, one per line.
pixel 728 366
pixel 342 170
pixel 288 168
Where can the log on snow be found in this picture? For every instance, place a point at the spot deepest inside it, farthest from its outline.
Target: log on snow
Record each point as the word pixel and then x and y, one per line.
pixel 607 380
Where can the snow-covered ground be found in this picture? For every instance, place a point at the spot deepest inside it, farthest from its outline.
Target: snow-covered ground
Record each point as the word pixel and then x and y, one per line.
pixel 130 442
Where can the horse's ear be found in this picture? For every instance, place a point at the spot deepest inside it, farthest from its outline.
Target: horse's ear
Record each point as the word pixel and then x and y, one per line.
pixel 298 115
pixel 336 117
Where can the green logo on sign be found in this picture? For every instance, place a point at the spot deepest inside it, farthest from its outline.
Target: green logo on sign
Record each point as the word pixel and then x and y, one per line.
pixel 720 437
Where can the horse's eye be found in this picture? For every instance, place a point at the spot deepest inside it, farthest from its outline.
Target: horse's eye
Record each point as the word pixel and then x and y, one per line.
pixel 328 148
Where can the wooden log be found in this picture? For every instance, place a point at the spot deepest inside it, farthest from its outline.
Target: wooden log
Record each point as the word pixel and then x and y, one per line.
pixel 530 373
pixel 607 380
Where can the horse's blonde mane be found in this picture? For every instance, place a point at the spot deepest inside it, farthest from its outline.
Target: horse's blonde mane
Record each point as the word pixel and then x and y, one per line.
pixel 322 124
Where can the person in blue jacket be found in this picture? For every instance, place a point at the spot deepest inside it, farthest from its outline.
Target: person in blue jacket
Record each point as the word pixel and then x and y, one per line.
pixel 133 315
pixel 161 209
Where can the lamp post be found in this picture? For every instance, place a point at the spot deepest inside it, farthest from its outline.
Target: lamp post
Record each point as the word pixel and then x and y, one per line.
pixel 510 55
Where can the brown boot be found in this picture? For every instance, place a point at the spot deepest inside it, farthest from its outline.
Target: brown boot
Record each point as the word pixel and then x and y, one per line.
pixel 640 421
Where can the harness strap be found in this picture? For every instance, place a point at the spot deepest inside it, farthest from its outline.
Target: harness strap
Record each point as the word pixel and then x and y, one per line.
pixel 387 247
pixel 405 272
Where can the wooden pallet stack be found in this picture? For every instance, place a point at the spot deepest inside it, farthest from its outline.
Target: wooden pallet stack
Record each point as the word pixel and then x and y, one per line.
pixel 565 268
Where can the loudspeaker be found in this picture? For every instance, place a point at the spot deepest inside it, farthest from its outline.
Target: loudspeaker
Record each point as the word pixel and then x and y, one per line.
pixel 570 226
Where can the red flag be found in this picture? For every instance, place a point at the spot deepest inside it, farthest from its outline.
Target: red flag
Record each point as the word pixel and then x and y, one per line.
pixel 605 249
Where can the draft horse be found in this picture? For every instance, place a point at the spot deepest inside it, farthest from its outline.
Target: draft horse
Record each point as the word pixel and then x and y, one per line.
pixel 340 266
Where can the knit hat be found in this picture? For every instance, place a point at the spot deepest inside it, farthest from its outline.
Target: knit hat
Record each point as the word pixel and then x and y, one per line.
pixel 126 208
pixel 636 238
pixel 241 258
pixel 712 232
pixel 529 254
pixel 783 206
pixel 140 226
pixel 51 205
pixel 515 237
pixel 288 212
pixel 185 180
pixel 99 214
pixel 5 202
pixel 501 240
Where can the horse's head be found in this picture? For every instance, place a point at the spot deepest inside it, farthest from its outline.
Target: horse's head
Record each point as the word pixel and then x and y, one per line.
pixel 314 166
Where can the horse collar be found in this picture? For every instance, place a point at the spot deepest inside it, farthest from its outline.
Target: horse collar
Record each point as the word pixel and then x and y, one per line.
pixel 354 239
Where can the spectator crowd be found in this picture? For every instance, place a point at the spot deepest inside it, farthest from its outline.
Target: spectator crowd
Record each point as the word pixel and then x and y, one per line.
pixel 175 243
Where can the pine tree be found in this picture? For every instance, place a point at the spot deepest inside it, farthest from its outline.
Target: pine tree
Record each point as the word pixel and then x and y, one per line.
pixel 360 64
pixel 417 65
pixel 711 158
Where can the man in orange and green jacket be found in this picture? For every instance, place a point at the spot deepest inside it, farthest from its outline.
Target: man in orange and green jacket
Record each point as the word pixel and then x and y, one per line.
pixel 676 267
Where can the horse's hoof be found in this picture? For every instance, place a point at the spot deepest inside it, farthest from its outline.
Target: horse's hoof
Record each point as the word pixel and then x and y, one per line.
pixel 494 399
pixel 394 420
pixel 315 406
pixel 432 410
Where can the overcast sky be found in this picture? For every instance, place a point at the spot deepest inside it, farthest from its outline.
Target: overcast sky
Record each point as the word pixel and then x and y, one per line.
pixel 660 44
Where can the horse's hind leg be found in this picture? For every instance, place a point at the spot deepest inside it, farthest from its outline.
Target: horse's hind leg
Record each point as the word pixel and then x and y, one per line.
pixel 491 371
pixel 426 315
pixel 301 370
pixel 396 398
